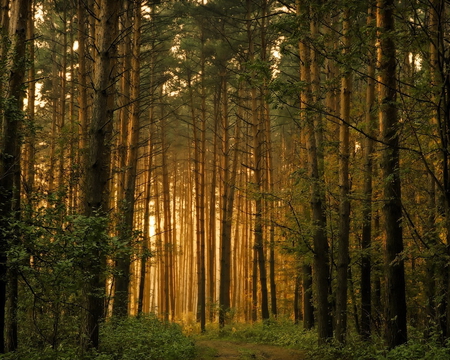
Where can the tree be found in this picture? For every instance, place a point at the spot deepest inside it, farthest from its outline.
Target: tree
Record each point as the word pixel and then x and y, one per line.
pixel 344 184
pixel 366 308
pixel 128 207
pixel 10 173
pixel 96 201
pixel 395 332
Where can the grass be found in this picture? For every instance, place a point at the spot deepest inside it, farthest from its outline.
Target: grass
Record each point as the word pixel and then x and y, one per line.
pixel 286 334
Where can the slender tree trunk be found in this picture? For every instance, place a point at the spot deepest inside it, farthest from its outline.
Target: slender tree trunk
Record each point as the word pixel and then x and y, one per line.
pixel 30 148
pixel 82 88
pixel 308 308
pixel 123 262
pixel 321 258
pixel 344 185
pixel 229 182
pixel 395 331
pixel 366 241
pixel 167 229
pixel 98 163
pixel 62 143
pixel 10 172
pixel 225 247
pixel 258 180
pixel 212 223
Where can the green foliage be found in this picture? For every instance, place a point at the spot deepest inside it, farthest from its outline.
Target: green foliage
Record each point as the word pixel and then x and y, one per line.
pixel 130 339
pixel 282 333
pixel 285 333
pixel 145 338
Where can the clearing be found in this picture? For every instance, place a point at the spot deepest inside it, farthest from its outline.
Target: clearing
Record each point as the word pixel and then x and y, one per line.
pixel 224 350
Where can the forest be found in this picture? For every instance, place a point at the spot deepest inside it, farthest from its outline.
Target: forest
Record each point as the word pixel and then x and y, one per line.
pixel 180 168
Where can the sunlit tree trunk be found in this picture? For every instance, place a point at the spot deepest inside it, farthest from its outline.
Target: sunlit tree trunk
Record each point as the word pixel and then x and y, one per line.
pixel 166 209
pixel 62 143
pixel 82 87
pixel 123 262
pixel 436 281
pixel 259 253
pixel 366 240
pixel 344 185
pixel 229 180
pixel 225 247
pixel 30 146
pixel 318 218
pixel 267 138
pixel 212 219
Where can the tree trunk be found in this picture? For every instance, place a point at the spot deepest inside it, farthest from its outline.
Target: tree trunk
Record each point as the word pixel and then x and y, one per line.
pixel 98 163
pixel 123 262
pixel 10 172
pixel 318 220
pixel 226 213
pixel 344 186
pixel 395 331
pixel 366 241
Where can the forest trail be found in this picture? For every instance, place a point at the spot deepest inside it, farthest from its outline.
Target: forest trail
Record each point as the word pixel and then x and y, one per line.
pixel 228 350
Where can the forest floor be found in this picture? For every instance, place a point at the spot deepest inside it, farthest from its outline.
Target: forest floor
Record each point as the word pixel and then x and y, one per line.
pixel 228 350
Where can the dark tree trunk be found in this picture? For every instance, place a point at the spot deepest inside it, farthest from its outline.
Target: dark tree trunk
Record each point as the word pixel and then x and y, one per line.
pixel 98 164
pixel 10 171
pixel 395 331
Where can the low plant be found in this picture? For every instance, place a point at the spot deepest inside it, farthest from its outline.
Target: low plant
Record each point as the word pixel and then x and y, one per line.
pixel 145 338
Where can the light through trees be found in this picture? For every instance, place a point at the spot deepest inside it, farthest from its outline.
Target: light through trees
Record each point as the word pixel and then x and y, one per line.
pixel 224 161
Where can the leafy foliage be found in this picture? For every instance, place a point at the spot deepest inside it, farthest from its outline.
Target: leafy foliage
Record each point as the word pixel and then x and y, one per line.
pixel 129 339
pixel 285 333
pixel 145 338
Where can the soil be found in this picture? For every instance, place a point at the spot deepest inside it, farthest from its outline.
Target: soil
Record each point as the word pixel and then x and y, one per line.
pixel 227 350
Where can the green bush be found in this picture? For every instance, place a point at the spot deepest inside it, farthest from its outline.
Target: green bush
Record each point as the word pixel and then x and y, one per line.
pixel 287 334
pixel 145 338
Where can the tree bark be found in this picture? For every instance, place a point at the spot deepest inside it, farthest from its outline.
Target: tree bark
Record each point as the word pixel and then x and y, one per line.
pixel 321 275
pixel 395 331
pixel 98 164
pixel 10 172
pixel 344 186
pixel 123 262
pixel 366 240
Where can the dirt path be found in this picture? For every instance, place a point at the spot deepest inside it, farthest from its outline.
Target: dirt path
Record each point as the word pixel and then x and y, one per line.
pixel 227 350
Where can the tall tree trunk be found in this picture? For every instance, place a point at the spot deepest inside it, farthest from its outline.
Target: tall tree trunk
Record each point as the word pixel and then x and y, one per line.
pixel 366 240
pixel 225 247
pixel 321 258
pixel 10 172
pixel 395 331
pixel 62 141
pixel 258 179
pixel 212 219
pixel 167 229
pixel 30 146
pixel 123 262
pixel 229 182
pixel 82 88
pixel 344 185
pixel 98 163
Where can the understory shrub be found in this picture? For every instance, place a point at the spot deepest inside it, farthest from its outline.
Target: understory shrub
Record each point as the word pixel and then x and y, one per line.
pixel 287 334
pixel 144 338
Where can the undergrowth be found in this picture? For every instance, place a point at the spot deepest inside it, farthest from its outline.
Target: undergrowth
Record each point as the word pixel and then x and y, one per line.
pixel 129 339
pixel 287 334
